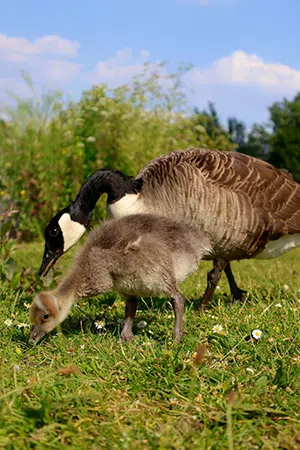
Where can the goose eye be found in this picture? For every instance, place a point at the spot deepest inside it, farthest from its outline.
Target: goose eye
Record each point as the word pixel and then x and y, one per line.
pixel 53 232
pixel 46 316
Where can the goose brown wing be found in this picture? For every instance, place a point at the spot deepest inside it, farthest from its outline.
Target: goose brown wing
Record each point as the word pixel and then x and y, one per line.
pixel 271 196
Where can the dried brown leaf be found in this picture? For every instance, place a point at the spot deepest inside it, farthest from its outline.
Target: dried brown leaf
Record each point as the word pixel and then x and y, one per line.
pixel 200 354
pixel 231 397
pixel 68 370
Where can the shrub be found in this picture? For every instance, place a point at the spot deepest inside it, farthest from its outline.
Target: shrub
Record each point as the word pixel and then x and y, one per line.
pixel 50 146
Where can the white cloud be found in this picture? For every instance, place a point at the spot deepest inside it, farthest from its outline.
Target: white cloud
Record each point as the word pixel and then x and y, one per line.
pixel 243 69
pixel 20 49
pixel 237 69
pixel 58 71
pixel 57 45
pixel 45 59
pixel 121 68
pixel 240 83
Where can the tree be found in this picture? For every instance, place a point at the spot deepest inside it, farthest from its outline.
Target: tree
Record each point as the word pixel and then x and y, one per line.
pixel 210 133
pixel 237 131
pixel 285 140
pixel 255 143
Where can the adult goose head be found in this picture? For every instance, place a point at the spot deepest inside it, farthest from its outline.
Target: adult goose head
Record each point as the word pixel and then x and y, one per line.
pixel 246 207
pixel 66 228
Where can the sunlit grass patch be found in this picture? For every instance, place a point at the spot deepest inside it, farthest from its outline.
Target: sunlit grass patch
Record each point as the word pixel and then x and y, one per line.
pixel 84 388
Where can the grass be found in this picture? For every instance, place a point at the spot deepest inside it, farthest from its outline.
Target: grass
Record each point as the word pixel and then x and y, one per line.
pixel 152 393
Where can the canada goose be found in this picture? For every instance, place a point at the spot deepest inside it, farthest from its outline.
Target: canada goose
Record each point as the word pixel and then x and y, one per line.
pixel 137 255
pixel 245 206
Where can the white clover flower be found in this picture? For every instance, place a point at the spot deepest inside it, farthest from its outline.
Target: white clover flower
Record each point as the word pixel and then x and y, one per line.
pixel 257 334
pixel 91 139
pixel 217 328
pixel 278 305
pixel 22 325
pixel 248 369
pixel 286 287
pixel 142 324
pixel 82 347
pixel 8 322
pixel 99 324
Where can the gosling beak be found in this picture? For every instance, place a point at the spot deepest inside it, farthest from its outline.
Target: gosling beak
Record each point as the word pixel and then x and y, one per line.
pixel 49 259
pixel 36 335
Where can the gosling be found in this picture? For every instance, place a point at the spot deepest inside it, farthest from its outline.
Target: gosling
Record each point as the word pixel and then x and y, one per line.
pixel 138 255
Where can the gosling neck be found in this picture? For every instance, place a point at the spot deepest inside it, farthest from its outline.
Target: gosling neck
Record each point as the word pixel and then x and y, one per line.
pixel 65 294
pixel 104 181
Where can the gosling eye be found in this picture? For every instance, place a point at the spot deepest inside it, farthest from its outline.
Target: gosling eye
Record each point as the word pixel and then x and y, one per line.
pixel 46 316
pixel 54 232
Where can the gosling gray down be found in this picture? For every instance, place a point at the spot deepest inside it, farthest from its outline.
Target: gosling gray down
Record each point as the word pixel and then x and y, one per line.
pixel 138 256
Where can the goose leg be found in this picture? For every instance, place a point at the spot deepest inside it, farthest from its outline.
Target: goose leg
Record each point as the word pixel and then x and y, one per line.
pixel 212 280
pixel 130 310
pixel 178 307
pixel 238 294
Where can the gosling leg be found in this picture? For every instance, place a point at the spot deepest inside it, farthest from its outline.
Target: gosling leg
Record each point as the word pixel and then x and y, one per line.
pixel 130 310
pixel 178 307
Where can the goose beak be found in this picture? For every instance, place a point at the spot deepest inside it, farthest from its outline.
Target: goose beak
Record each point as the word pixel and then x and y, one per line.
pixel 36 335
pixel 49 259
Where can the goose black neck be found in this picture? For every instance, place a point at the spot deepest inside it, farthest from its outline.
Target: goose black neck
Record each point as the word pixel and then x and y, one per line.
pixel 104 181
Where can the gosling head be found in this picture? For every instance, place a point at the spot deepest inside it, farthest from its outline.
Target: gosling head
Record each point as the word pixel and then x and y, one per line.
pixel 61 233
pixel 44 316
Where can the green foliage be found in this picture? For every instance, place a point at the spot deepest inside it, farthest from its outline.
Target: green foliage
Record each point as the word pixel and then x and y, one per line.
pixel 49 146
pixel 151 393
pixel 237 131
pixel 8 266
pixel 207 127
pixel 255 143
pixel 277 143
pixel 258 143
pixel 285 141
pixel 12 273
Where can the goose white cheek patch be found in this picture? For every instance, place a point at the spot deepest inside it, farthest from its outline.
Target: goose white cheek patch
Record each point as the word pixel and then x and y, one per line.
pixel 72 231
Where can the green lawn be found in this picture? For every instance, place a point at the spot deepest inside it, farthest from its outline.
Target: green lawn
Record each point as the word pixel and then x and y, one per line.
pixel 150 394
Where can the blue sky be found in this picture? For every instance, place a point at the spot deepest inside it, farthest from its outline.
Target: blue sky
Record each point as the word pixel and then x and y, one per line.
pixel 245 53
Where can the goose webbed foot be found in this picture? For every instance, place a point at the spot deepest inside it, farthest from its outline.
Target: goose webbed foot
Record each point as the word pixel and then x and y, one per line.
pixel 126 336
pixel 239 295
